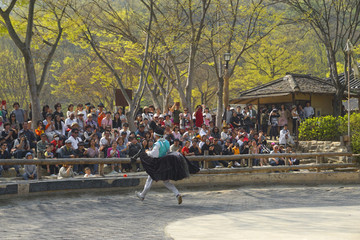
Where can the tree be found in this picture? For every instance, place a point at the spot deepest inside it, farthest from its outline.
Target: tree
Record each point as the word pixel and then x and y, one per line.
pixel 334 22
pixel 178 30
pixel 109 32
pixel 236 27
pixel 24 44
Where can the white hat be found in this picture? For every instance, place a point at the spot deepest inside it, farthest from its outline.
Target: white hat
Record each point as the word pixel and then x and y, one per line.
pixel 232 108
pixel 161 116
pixel 156 115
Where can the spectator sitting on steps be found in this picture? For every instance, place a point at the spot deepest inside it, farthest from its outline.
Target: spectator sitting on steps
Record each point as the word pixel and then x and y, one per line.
pixel 30 170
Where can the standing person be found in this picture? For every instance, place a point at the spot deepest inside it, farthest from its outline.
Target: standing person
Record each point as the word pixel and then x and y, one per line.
pixel 253 116
pixel 295 119
pixel 100 114
pixel 309 111
pixel 164 167
pixel 264 120
pixel 19 113
pixel 273 118
pixel 185 119
pixel 301 113
pixel 175 109
pixel 227 114
pixel 284 116
pixel 207 117
pixel 199 119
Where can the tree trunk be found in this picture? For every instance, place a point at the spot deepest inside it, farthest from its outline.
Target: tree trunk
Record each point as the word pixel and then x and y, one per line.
pixel 335 79
pixel 34 92
pixel 130 116
pixel 220 109
pixel 226 87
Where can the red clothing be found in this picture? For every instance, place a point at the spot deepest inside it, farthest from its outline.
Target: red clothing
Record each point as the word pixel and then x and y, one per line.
pixel 185 149
pixel 199 119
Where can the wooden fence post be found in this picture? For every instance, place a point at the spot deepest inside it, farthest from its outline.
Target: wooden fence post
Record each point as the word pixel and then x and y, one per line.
pixel 206 163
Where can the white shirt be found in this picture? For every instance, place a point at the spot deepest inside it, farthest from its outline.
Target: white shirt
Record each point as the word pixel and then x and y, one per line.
pixel 240 142
pixel 309 111
pixel 203 132
pixel 127 132
pixel 156 149
pixel 224 136
pixel 68 122
pixel 74 142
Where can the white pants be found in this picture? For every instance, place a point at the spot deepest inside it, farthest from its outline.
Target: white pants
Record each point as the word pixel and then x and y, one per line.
pixel 167 184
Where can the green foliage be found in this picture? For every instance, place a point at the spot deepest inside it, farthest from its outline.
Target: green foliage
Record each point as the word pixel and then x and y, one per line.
pixel 330 128
pixel 320 128
pixel 354 129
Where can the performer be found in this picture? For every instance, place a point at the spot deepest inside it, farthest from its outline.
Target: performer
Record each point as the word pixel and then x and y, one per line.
pixel 162 166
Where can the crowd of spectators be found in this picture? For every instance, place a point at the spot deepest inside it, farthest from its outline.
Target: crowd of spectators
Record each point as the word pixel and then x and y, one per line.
pixel 92 132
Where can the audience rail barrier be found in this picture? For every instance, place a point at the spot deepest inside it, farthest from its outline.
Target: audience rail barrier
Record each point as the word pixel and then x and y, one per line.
pixel 206 159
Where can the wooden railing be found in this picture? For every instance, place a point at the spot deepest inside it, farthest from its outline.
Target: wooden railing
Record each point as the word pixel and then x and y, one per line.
pixel 206 159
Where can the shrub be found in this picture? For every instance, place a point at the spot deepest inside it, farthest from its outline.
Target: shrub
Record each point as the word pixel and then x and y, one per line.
pixel 354 128
pixel 330 128
pixel 320 128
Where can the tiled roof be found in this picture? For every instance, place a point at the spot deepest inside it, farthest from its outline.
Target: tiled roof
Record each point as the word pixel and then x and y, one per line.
pixel 291 83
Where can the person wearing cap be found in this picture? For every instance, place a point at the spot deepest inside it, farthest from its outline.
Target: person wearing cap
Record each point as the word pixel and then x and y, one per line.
pixel 160 149
pixel 80 108
pixel 161 120
pixel 67 151
pixel 30 170
pixel 87 108
pixel 41 145
pixel 91 122
pixel 125 129
pixel 81 122
pixel 66 171
pixel 168 121
pixel 74 139
pixel 140 133
pixel 146 114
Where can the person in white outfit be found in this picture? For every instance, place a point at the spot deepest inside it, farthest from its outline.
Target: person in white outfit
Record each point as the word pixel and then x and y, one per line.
pixel 160 149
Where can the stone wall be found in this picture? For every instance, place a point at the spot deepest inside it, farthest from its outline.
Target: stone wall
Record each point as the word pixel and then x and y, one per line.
pixel 322 146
